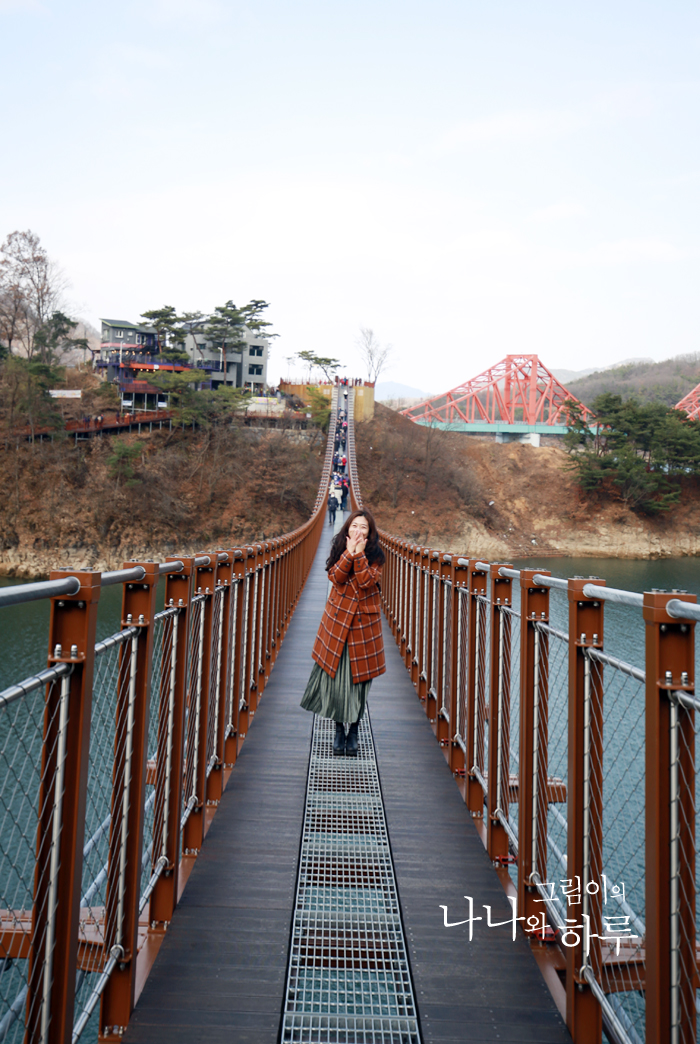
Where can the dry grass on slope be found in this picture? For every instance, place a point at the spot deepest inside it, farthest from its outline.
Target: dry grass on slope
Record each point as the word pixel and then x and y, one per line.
pixel 472 495
pixel 167 493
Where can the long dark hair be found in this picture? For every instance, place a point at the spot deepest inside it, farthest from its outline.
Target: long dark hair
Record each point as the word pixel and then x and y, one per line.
pixel 373 552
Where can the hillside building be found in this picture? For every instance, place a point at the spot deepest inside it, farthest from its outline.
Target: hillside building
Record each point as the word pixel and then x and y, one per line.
pixel 129 352
pixel 119 335
pixel 245 368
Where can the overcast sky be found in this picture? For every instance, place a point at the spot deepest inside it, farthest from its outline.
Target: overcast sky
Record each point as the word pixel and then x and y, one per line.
pixel 469 179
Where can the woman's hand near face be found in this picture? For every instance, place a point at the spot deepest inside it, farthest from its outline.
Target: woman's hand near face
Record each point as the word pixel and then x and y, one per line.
pixel 356 545
pixel 357 536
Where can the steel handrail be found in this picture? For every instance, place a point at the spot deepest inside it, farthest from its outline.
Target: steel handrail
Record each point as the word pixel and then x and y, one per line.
pixel 21 593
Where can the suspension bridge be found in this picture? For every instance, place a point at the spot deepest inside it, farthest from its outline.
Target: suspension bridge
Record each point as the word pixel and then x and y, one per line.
pixel 511 857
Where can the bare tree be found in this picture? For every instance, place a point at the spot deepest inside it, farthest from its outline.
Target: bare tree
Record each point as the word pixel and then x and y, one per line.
pixel 31 290
pixel 434 447
pixel 400 449
pixel 373 354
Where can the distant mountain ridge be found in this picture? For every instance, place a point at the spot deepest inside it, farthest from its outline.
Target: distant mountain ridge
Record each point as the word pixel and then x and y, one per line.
pixel 565 376
pixel 666 382
pixel 393 390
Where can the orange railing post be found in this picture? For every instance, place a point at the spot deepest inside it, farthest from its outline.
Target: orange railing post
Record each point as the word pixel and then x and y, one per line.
pixel 473 790
pixel 431 647
pixel 246 708
pixel 460 583
pixel 671 968
pixel 171 741
pixel 128 797
pixel 532 756
pixel 585 806
pixel 444 719
pixel 499 714
pixel 423 628
pixel 61 826
pixel 414 627
pixel 261 560
pixel 267 648
pixel 199 705
pixel 232 744
pixel 222 681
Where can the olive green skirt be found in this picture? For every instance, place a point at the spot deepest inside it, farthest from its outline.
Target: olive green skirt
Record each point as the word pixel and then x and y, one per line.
pixel 338 698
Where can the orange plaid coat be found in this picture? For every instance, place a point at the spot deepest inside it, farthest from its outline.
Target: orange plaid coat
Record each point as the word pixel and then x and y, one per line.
pixel 352 615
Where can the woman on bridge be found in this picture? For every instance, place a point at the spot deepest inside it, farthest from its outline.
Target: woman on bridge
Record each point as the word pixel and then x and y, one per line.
pixel 349 649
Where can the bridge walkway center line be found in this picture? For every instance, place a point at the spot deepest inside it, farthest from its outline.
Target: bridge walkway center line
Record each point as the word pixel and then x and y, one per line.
pixel 222 969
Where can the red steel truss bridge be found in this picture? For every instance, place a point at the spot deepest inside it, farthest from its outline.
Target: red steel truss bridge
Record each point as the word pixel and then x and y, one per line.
pixel 512 856
pixel 518 394
pixel 690 403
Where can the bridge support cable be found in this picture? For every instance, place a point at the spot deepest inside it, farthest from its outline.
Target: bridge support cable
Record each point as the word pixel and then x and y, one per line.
pixel 114 762
pixel 580 769
pixel 348 976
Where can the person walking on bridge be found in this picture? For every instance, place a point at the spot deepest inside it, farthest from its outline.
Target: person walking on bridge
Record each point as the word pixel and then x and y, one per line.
pixel 349 648
pixel 332 506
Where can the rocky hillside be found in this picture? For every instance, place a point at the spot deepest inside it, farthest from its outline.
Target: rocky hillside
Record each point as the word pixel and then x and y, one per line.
pixel 103 502
pixel 111 499
pixel 477 497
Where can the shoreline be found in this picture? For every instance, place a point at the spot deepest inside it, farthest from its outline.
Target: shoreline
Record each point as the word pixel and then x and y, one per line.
pixel 37 565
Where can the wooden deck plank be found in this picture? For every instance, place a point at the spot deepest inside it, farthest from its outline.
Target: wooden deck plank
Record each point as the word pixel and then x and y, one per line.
pixel 221 972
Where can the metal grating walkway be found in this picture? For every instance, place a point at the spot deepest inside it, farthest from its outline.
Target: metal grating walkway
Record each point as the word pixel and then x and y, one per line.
pixel 348 980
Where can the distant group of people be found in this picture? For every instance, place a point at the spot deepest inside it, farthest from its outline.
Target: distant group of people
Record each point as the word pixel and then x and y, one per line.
pixel 349 382
pixel 338 496
pixel 349 651
pixel 98 419
pixel 339 489
pixel 95 421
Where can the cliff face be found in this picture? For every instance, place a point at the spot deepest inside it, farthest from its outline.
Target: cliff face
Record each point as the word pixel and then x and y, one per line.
pixel 114 499
pixel 483 499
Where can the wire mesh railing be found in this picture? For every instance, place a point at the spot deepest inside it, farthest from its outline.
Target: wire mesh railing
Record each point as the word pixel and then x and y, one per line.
pixel 684 742
pixel 579 768
pixel 22 720
pixel 113 760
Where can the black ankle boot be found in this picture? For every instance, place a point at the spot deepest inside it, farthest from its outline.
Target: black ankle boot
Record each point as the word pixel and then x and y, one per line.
pixel 351 742
pixel 339 739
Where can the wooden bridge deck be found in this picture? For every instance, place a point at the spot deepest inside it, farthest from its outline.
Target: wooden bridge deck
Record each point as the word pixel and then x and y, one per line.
pixel 220 974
